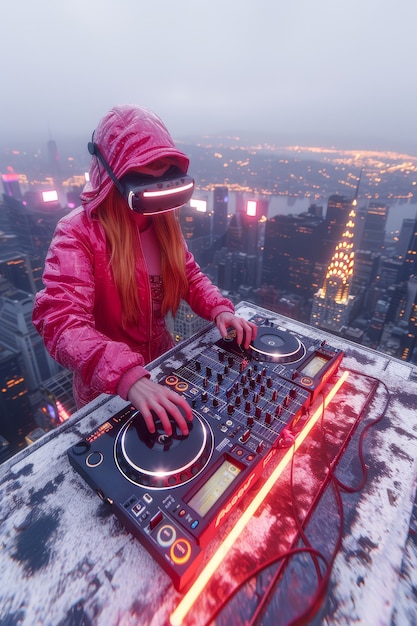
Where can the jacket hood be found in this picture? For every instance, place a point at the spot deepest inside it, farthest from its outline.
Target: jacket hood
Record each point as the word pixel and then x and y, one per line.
pixel 129 137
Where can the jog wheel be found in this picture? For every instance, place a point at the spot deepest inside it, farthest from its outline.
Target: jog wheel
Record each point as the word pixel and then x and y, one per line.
pixel 159 461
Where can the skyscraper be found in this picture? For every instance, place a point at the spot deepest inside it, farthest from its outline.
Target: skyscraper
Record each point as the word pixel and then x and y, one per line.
pixel 333 303
pixel 220 206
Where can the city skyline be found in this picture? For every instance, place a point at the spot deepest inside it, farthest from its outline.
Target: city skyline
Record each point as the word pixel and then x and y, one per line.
pixel 323 73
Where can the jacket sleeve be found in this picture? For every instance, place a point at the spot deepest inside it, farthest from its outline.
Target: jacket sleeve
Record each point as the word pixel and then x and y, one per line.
pixel 203 296
pixel 63 314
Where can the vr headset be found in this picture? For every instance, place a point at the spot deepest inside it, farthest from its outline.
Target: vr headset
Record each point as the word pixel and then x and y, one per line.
pixel 150 195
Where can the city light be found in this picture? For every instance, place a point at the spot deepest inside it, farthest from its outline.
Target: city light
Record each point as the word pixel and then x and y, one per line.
pixel 50 196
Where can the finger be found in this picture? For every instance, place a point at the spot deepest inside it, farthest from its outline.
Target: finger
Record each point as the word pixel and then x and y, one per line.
pixel 171 410
pixel 148 419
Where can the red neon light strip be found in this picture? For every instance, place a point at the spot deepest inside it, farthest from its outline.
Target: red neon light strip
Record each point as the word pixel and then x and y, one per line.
pixel 178 615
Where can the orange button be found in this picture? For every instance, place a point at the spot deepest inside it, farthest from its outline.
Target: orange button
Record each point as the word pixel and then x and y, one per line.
pixel 180 551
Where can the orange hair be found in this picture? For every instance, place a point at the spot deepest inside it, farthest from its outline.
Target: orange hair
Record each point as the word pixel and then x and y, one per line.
pixel 122 233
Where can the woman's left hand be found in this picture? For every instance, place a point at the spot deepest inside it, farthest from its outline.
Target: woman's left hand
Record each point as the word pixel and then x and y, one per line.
pixel 245 331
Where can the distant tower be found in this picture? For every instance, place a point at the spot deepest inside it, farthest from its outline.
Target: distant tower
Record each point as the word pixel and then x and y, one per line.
pixel 332 304
pixel 220 206
pixel 410 259
pixel 53 158
pixel 373 235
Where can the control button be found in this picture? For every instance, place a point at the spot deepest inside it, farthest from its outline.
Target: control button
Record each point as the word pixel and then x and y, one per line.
pixel 81 448
pixel 171 380
pixel 166 535
pixel 155 520
pixel 260 447
pixel 180 551
pixel 182 513
pixel 204 396
pixel 94 459
pixel 250 457
pixel 215 402
pixel 194 524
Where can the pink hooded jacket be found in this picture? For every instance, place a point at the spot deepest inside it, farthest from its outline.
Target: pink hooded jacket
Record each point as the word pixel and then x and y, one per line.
pixel 78 312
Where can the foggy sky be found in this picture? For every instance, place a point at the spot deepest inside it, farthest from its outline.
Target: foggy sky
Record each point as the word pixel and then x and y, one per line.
pixel 328 72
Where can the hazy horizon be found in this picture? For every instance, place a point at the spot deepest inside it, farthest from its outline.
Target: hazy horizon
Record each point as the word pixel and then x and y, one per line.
pixel 324 73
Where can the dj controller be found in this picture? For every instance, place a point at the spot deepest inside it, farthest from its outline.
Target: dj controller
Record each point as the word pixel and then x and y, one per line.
pixel 173 492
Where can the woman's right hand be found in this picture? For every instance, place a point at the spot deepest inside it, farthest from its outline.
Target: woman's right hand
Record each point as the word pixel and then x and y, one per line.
pixel 149 397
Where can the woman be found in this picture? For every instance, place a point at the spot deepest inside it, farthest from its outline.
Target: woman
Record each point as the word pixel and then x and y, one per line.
pixel 112 274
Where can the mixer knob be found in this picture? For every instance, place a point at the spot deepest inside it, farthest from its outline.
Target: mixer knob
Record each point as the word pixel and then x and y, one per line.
pixel 230 409
pixel 250 421
pixel 215 402
pixel 226 369
pixel 286 400
pixel 208 371
pixel 249 372
pixel 237 401
pixel 245 392
pixel 259 378
pixel 247 407
pixel 236 387
pixel 278 410
pixel 198 366
pixel 243 379
pixel 219 377
pixel 260 447
pixel 229 392
pixel 252 384
pixel 268 418
pixel 204 396
pixel 264 371
pixel 262 390
pixel 231 361
pixel 245 436
pixel 294 375
pixel 274 395
pixel 269 382
pixel 258 412
pixel 205 381
pixel 216 389
pixel 293 392
pixel 256 397
pixel 221 357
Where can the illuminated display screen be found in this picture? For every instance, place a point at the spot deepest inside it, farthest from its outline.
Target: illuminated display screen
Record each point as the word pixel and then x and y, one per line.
pixel 313 367
pixel 104 428
pixel 214 487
